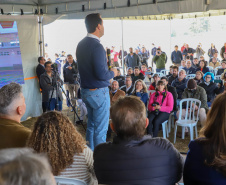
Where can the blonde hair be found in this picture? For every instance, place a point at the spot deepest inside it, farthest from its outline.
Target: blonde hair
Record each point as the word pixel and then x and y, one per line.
pixel 55 135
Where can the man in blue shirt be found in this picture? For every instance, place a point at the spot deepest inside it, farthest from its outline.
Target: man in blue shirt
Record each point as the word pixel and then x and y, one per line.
pixel 176 56
pixel 95 76
pixel 189 69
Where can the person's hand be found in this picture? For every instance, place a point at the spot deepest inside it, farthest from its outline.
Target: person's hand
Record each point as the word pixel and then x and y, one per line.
pixel 158 107
pixel 70 67
pixel 115 71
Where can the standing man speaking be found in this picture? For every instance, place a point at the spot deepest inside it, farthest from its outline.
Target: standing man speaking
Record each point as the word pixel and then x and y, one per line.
pixel 95 76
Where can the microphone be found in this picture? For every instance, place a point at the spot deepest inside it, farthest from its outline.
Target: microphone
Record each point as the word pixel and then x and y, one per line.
pixel 109 58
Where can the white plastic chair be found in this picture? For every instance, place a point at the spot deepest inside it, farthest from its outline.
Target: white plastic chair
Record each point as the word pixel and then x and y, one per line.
pixel 165 129
pixel 218 77
pixel 150 91
pixel 190 76
pixel 211 69
pixel 164 72
pixel 147 84
pixel 160 74
pixel 71 181
pixel 216 69
pixel 190 119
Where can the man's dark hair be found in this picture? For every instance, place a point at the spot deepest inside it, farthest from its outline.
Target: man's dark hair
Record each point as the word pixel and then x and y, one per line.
pixel 175 67
pixel 128 76
pixel 39 59
pixel 92 21
pixel 195 58
pixel 171 67
pixel 158 49
pixel 56 55
pixel 165 78
pixel 47 63
pixel 136 67
pixel 129 118
pixel 69 55
pixel 118 70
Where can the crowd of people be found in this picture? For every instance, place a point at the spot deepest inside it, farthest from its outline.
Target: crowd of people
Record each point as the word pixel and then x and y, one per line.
pixel 139 102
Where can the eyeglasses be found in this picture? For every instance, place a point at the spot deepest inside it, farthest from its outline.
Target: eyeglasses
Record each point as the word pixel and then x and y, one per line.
pixel 207 77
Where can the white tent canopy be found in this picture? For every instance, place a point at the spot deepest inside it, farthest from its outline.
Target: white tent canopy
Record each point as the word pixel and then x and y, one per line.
pixel 77 9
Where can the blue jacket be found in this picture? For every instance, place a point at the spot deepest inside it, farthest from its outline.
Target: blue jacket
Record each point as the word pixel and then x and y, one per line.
pixel 190 70
pixel 196 172
pixel 180 86
pixel 176 57
pixel 143 97
pixel 92 64
pixel 205 69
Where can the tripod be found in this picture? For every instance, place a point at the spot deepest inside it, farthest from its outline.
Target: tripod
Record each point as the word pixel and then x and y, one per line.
pixel 68 99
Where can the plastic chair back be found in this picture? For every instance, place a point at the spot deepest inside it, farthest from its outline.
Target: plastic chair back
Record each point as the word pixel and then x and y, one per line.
pixel 69 181
pixel 160 74
pixel 190 105
pixel 211 69
pixel 218 77
pixel 190 76
pixel 164 72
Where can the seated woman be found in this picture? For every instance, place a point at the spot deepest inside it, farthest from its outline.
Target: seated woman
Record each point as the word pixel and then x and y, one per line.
pixel 203 67
pixel 212 89
pixel 55 135
pixel 199 77
pixel 159 107
pixel 206 159
pixel 141 91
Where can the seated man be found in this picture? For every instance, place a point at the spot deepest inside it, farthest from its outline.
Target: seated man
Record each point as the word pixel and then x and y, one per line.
pixel 132 157
pixel 170 72
pixel 120 78
pixel 137 75
pixel 129 71
pixel 128 88
pixel 153 85
pixel 195 63
pixel 115 94
pixel 180 84
pixel 174 75
pixel 196 92
pixel 189 69
pixel 23 167
pixel 214 63
pixel 183 64
pixel 12 108
pixel 221 70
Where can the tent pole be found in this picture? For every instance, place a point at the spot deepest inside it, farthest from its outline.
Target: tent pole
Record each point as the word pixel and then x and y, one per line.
pixel 123 66
pixel 41 51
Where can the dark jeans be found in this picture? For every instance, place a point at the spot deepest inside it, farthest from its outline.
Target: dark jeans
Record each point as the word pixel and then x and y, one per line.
pixel 155 121
pixel 52 105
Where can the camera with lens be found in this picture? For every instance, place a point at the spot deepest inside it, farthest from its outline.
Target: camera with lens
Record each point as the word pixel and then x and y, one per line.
pixel 159 52
pixel 156 111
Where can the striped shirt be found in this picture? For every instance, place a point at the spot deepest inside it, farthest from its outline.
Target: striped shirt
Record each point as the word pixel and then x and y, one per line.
pixel 82 167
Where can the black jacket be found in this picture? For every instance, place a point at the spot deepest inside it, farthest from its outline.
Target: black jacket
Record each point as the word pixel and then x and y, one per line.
pixel 39 71
pixel 135 78
pixel 149 161
pixel 174 93
pixel 220 71
pixel 212 90
pixel 129 92
pixel 70 76
pixel 47 87
pixel 171 79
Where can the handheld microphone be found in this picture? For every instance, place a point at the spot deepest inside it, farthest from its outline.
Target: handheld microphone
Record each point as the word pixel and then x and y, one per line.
pixel 109 58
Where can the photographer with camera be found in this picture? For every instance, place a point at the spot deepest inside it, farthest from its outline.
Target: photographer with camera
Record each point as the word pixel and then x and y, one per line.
pixel 159 107
pixel 160 60
pixel 70 73
pixel 51 94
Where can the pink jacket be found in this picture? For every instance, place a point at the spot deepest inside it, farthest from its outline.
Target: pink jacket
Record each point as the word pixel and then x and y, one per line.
pixel 166 106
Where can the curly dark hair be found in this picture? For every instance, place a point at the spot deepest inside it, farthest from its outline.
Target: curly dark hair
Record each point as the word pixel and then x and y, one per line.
pixel 55 135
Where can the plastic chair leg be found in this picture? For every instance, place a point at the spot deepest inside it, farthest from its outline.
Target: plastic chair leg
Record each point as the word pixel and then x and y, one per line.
pixel 196 132
pixel 169 124
pixel 183 132
pixel 164 130
pixel 167 132
pixel 191 133
pixel 175 133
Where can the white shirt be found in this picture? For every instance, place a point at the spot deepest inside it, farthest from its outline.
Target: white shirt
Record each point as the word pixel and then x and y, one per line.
pixel 93 36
